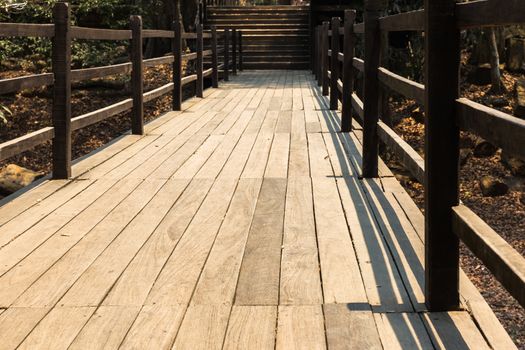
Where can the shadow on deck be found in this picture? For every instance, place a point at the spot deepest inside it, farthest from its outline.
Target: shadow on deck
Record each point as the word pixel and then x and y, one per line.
pixel 238 223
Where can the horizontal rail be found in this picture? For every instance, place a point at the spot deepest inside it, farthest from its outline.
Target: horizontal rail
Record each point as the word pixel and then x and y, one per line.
pixel 358 107
pixel 188 79
pixel 489 13
pixel 408 21
pixel 100 34
pixel 206 53
pixel 410 159
pixel 189 56
pixel 189 36
pixel 505 263
pixel 23 143
pixel 156 93
pixel 358 64
pixel 152 33
pixel 207 72
pixel 27 82
pixel 100 72
pixel 152 62
pixel 27 30
pixel 406 87
pixel 101 114
pixel 500 129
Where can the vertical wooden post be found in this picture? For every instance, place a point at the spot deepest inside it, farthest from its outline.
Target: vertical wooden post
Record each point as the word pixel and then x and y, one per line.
pixel 442 59
pixel 177 66
pixel 200 62
pixel 137 89
pixel 371 91
pixel 348 71
pixel 240 51
pixel 314 53
pixel 214 58
pixel 234 51
pixel 319 55
pixel 62 91
pixel 226 54
pixel 334 65
pixel 324 37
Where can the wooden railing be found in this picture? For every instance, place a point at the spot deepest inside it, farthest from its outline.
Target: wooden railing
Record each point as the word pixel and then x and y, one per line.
pixel 62 33
pixel 447 221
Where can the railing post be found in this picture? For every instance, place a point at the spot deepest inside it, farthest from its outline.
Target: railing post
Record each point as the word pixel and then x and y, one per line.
pixel 442 60
pixel 177 66
pixel 348 71
pixel 314 53
pixel 319 55
pixel 137 86
pixel 324 57
pixel 62 91
pixel 200 62
pixel 234 51
pixel 334 66
pixel 214 58
pixel 371 91
pixel 240 51
pixel 227 54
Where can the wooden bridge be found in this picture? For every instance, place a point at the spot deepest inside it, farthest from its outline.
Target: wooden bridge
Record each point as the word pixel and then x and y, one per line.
pixel 242 219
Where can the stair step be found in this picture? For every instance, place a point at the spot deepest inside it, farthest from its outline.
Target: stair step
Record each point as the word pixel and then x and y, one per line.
pixel 276 65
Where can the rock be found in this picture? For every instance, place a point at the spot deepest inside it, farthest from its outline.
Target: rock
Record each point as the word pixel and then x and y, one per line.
pixel 519 111
pixel 480 75
pixel 14 178
pixel 515 54
pixel 514 164
pixel 491 187
pixel 484 149
pixel 499 102
pixel 418 115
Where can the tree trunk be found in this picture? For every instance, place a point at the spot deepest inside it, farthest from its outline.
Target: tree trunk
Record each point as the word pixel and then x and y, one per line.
pixel 495 74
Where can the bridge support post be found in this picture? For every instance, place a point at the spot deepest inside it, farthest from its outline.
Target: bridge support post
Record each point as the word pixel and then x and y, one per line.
pixel 324 58
pixel 334 65
pixel 62 91
pixel 177 66
pixel 226 54
pixel 319 55
pixel 214 58
pixel 137 86
pixel 240 51
pixel 348 70
pixel 200 62
pixel 371 91
pixel 442 60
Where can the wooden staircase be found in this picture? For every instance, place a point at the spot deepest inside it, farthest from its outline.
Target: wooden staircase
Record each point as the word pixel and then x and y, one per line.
pixel 274 37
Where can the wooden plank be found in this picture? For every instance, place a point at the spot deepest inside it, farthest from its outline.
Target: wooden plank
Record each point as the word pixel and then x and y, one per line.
pixel 251 327
pixel 259 277
pixel 181 272
pixel 155 327
pixel 320 165
pixel 58 278
pixel 384 287
pixel 24 221
pixel 136 281
pixel 218 279
pixel 256 165
pixel 299 164
pixel 300 280
pixel 101 114
pixel 351 326
pixel 15 251
pixel 11 85
pixel 408 21
pixel 95 283
pixel 197 160
pixel 278 160
pixel 341 163
pixel 483 13
pixel 406 87
pixel 339 266
pixel 100 34
pixel 27 30
pixel 453 330
pixel 58 329
pixel 300 327
pixel 17 323
pixel 203 328
pixel 402 331
pixel 108 326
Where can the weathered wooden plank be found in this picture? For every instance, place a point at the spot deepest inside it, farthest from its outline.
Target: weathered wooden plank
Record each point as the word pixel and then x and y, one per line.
pixel 402 331
pixel 27 30
pixel 408 21
pixel 100 34
pixel 351 326
pixel 278 160
pixel 406 87
pixel 24 143
pixel 251 327
pixel 300 327
pixel 17 323
pixel 259 277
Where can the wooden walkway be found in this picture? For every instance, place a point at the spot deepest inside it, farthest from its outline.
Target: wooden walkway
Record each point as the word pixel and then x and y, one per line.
pixel 239 223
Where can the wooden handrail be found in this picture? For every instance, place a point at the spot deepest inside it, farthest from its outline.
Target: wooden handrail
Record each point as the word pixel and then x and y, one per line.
pixel 62 33
pixel 446 115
